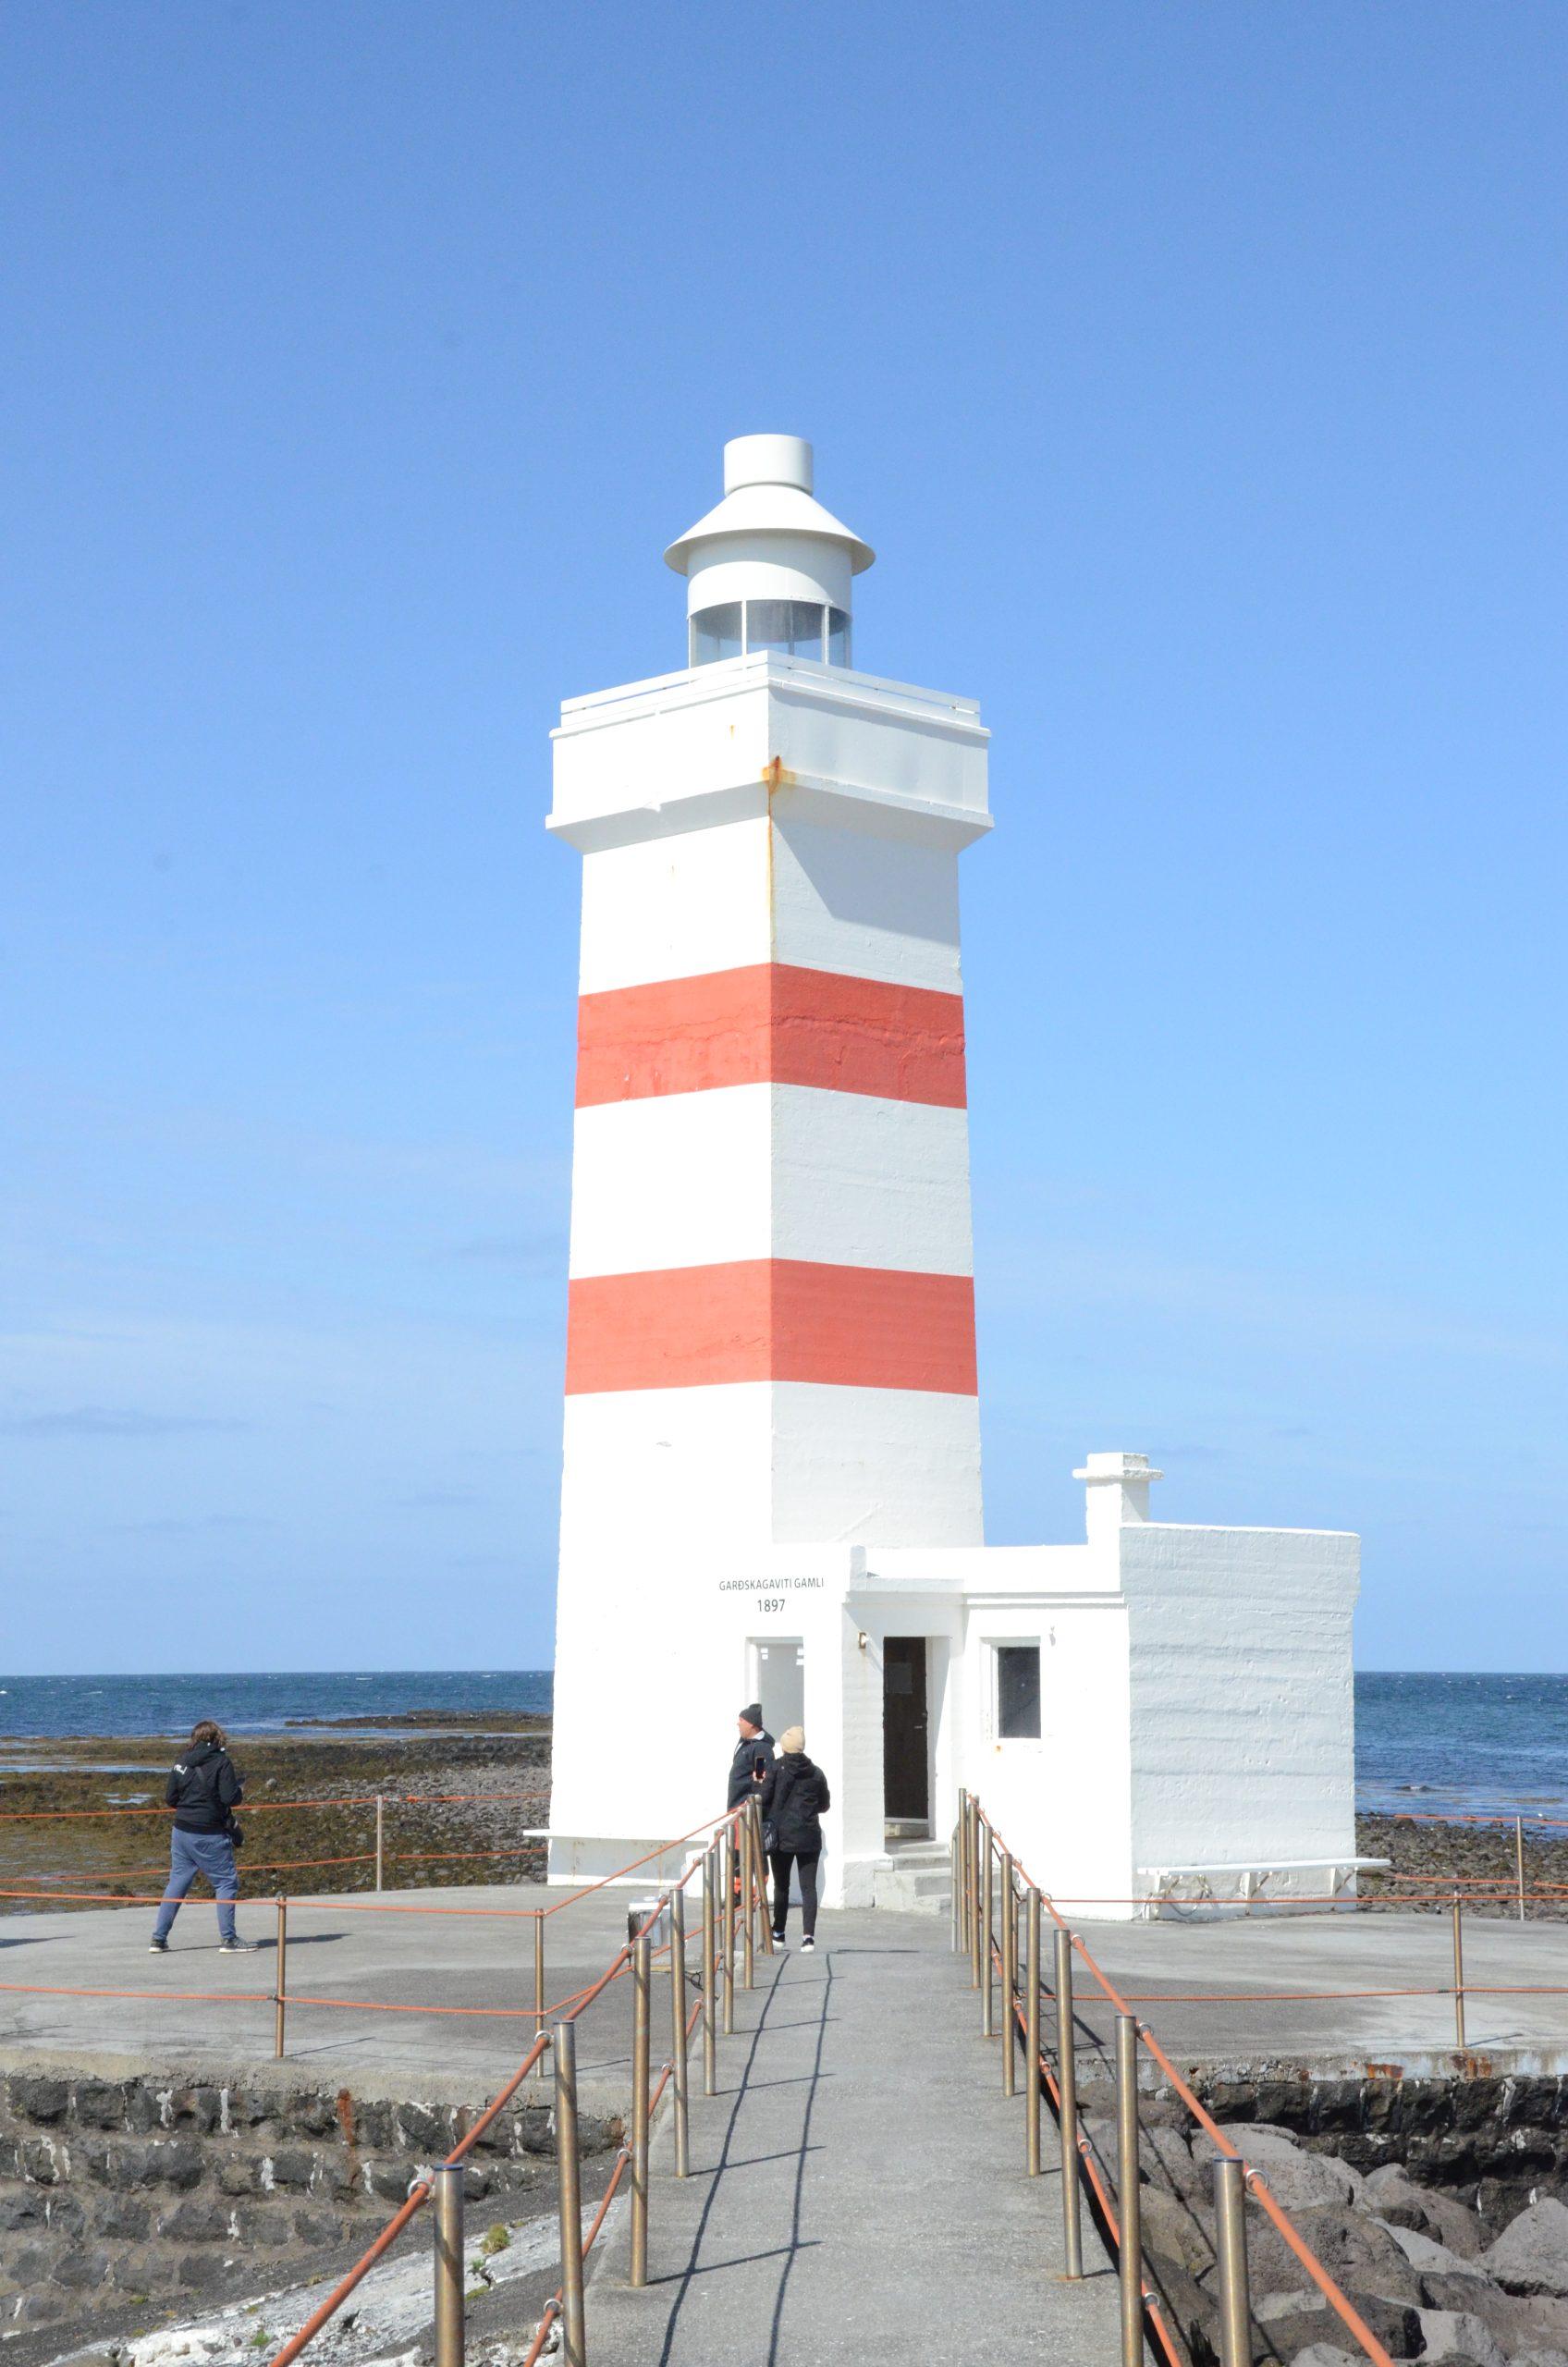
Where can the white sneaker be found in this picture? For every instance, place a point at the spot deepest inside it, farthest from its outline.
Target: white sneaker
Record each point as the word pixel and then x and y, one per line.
pixel 808 1947
pixel 780 1942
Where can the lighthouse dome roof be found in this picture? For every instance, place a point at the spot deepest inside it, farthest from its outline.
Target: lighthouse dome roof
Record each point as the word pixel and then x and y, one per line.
pixel 768 490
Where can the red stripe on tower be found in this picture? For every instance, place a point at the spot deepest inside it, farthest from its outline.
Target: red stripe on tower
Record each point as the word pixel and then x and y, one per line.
pixel 771 1023
pixel 771 1318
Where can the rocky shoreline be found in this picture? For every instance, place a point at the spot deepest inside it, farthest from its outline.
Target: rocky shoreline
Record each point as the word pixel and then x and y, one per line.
pixel 460 1803
pixel 1472 2274
pixel 1432 1858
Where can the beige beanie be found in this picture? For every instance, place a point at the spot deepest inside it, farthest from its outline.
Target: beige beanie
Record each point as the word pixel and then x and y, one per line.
pixel 793 1741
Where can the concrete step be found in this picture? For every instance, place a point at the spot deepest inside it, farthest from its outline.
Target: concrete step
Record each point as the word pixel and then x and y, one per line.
pixel 913 1886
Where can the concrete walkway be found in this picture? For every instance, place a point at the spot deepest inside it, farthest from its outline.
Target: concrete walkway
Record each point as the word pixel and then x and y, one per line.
pixel 857 2188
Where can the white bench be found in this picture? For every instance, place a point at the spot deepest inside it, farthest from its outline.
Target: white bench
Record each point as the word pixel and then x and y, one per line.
pixel 1246 1883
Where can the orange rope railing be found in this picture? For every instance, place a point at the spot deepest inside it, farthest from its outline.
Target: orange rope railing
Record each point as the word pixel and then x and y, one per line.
pixel 419 2195
pixel 576 2006
pixel 1493 1816
pixel 1256 2184
pixel 553 2306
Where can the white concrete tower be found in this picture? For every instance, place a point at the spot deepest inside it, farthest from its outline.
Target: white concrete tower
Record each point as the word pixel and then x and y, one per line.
pixel 771 1330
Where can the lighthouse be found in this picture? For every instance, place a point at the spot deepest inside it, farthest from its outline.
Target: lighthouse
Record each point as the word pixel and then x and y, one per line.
pixel 771 1482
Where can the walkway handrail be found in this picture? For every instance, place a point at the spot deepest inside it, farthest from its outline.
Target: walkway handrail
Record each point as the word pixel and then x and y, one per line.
pixel 977 1846
pixel 730 1864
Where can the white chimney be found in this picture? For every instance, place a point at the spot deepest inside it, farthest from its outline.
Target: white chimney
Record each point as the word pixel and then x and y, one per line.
pixel 1118 1491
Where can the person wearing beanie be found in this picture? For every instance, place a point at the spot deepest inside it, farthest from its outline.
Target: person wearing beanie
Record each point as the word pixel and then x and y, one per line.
pixel 794 1798
pixel 754 1755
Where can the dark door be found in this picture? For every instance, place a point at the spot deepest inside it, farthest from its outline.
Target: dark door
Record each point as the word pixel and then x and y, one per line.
pixel 906 1791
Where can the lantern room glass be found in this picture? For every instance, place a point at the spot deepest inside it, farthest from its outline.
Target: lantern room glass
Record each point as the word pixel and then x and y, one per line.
pixel 789 628
pixel 716 633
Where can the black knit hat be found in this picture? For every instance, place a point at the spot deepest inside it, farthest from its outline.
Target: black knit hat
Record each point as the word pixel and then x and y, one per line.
pixel 753 1713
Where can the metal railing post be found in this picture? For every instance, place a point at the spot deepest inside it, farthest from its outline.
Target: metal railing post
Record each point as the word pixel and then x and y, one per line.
pixel 987 1976
pixel 280 1986
pixel 448 2202
pixel 759 1856
pixel 1519 1861
pixel 1010 1976
pixel 538 1973
pixel 727 1865
pixel 961 1886
pixel 710 1942
pixel 568 2176
pixel 1459 1972
pixel 642 2022
pixel 965 1824
pixel 380 1838
pixel 1129 2209
pixel 955 1888
pixel 1067 2087
pixel 678 2070
pixel 974 1822
pixel 1231 2251
pixel 1031 2029
pixel 747 1865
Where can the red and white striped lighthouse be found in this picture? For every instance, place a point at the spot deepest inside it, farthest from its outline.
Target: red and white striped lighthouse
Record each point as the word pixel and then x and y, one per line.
pixel 771 1326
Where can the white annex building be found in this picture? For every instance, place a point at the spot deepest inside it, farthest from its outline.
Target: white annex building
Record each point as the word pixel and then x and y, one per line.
pixel 772 1460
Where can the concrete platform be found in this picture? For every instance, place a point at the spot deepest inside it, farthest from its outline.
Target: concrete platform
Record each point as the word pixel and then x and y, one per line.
pixel 858 2188
pixel 444 1953
pixel 437 1957
pixel 1251 1965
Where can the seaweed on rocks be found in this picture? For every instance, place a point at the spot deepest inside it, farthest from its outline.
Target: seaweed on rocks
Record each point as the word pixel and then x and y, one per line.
pixel 459 1805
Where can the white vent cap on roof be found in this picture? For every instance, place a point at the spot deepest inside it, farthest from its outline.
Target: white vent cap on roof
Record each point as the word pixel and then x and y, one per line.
pixel 766 459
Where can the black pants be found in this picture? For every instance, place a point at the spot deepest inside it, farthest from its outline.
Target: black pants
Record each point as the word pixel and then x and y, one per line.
pixel 781 1860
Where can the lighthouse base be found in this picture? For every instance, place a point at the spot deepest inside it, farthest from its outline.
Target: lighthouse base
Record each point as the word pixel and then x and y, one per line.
pixel 1160 1716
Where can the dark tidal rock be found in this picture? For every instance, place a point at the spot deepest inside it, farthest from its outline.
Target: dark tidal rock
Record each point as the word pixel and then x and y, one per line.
pixel 1531 2255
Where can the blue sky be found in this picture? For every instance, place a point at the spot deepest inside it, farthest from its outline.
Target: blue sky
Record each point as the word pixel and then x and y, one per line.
pixel 1197 374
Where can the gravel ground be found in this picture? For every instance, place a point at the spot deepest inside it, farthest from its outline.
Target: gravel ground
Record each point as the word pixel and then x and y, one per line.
pixel 431 1837
pixel 1436 1857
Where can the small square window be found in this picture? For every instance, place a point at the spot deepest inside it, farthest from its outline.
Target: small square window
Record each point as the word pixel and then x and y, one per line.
pixel 1018 1692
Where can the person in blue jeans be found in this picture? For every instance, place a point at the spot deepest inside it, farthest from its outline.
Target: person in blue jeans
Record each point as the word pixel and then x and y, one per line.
pixel 203 1789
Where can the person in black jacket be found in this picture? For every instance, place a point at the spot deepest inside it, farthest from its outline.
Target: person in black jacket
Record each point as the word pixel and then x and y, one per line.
pixel 203 1789
pixel 755 1750
pixel 794 1797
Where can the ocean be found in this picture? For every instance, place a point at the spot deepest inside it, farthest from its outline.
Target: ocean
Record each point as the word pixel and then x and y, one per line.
pixel 1463 1743
pixel 38 1706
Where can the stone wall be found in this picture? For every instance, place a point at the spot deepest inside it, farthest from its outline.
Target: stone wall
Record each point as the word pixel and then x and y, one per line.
pixel 1498 2141
pixel 118 2186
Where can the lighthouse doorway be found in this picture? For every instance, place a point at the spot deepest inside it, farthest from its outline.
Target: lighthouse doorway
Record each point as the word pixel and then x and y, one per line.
pixel 906 1764
pixel 778 1675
